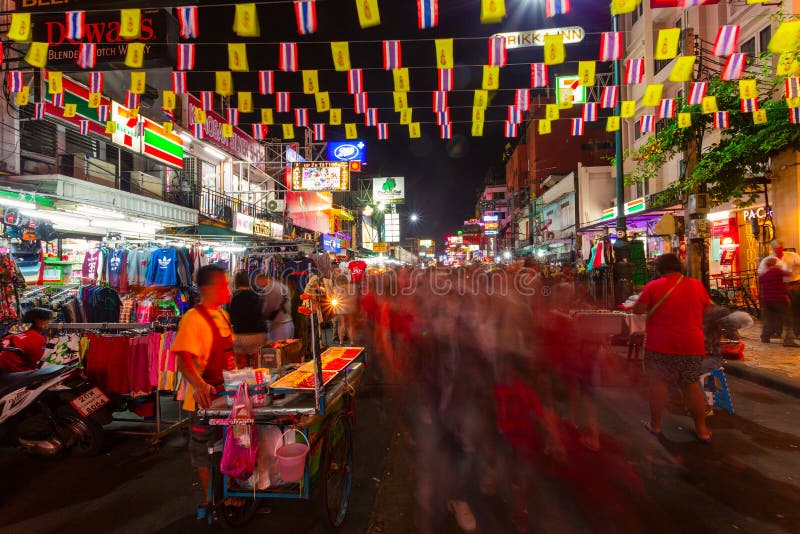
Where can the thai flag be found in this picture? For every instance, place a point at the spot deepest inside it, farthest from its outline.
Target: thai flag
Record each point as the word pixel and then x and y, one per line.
pixel 16 81
pixel 590 112
pixel 697 93
pixel 288 57
pixel 721 119
pixel 95 82
pixel 439 101
pixel 84 128
pixel 727 40
pixel 792 87
pixel 355 81
pixel 306 15
pixel 497 51
pixel 577 127
pixel 169 113
pixel 646 124
pixel 179 83
pixel 556 7
pixel 131 100
pixel 207 100
pixel 38 110
pixel 197 131
pixel 667 108
pixel 514 114
pixel 189 24
pixel 446 131
pixel 259 131
pixel 734 67
pixel 610 95
pixel 446 79
pixel 185 57
pixel 511 129
pixel 522 99
pixel 383 131
pixel 611 46
pixel 443 117
pixel 87 55
pixel 102 113
pixel 360 103
pixel 319 131
pixel 266 82
pixel 427 13
pixel 282 104
pixel 392 58
pixel 371 117
pixel 794 115
pixel 301 117
pixel 749 105
pixel 233 116
pixel 634 71
pixel 75 24
pixel 538 75
pixel 58 100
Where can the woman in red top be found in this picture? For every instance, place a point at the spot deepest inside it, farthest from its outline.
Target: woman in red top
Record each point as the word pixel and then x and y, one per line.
pixel 30 343
pixel 675 346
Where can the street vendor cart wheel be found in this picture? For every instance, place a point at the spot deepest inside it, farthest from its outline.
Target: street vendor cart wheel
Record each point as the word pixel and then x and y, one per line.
pixel 239 516
pixel 336 473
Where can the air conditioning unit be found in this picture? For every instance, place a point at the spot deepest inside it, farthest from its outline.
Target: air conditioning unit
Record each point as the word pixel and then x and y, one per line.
pixel 276 205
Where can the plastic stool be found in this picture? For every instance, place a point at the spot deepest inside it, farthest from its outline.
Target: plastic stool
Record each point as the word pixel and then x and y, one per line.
pixel 719 397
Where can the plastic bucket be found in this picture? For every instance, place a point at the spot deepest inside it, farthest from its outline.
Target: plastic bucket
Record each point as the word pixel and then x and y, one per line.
pixel 292 458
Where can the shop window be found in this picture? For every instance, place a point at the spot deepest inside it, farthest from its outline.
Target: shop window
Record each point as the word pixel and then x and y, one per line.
pixel 764 37
pixel 637 130
pixel 749 47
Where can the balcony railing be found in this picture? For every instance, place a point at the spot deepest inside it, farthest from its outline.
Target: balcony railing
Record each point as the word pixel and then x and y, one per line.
pixel 221 207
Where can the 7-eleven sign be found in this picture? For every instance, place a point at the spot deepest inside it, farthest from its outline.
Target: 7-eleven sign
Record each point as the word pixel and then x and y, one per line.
pixel 129 133
pixel 569 87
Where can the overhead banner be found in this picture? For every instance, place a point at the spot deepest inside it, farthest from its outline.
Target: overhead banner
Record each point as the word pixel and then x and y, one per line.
pixel 321 176
pixel 526 38
pixel 389 190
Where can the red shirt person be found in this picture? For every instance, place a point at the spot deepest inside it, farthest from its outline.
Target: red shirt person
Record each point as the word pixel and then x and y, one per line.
pixel 29 344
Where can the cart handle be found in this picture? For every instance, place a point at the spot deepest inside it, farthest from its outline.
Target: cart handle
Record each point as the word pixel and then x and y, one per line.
pixel 280 441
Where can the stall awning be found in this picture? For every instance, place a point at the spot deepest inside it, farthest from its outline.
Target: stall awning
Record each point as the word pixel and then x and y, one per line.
pixel 340 214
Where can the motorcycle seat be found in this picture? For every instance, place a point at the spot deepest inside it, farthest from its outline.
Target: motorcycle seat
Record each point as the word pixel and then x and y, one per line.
pixel 32 379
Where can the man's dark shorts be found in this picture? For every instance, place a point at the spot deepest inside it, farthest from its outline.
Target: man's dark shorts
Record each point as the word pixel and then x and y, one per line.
pixel 201 437
pixel 674 369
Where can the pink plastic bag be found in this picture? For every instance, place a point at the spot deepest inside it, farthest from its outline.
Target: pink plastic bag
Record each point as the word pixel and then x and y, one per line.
pixel 241 442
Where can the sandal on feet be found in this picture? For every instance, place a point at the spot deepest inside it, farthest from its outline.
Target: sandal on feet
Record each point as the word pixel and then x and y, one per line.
pixel 650 429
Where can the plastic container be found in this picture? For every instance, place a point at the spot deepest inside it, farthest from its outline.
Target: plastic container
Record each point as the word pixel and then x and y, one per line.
pixel 292 458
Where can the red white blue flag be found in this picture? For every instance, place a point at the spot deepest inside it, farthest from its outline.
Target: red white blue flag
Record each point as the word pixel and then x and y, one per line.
pixel 497 51
pixel 95 82
pixel 102 113
pixel 233 116
pixel 207 100
pixel 514 114
pixel 556 7
pixel 169 113
pixel 439 101
pixel 58 100
pixel 794 115
pixel 609 97
pixel 443 117
pixel 445 79
pixel 792 87
pixel 749 105
pixel 577 127
pixel 260 131
pixel 189 24
pixel 266 82
pixel 734 67
pixel 590 112
pixel 84 125
pixel 538 75
pixel 727 40
pixel 392 57
pixel 446 131
pixel 646 123
pixel 131 100
pixel 287 62
pixel 360 103
pixel 179 83
pixel 16 81
pixel 611 46
pixel 197 130
pixel 666 110
pixel 282 104
pixel 511 129
pixel 383 131
pixel 301 117
pixel 721 119
pixel 634 71
pixel 522 99
pixel 185 57
pixel 697 93
pixel 319 131
pixel 38 110
pixel 306 15
pixel 371 117
pixel 355 81
pixel 87 55
pixel 75 23
pixel 427 13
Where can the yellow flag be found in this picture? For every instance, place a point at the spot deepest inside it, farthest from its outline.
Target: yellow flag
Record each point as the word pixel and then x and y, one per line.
pixel 310 82
pixel 444 54
pixel 612 125
pixel 652 94
pixel 130 26
pixel 401 80
pixel 481 99
pixel 55 83
pixel 266 116
pixel 199 116
pixel 368 14
pixel 237 57
pixel 134 58
pixel 245 21
pixel 406 115
pixel 323 101
pixel 22 97
pixel 684 120
pixel 400 101
pixel 491 77
pixel 37 55
pixel 227 130
pixel 478 114
pixel 244 101
pixel 111 127
pixel 70 110
pixel 288 131
pixel 138 83
pixel 95 99
pixel 710 104
pixel 760 116
pixel 351 130
pixel 620 7
pixel 492 11
pixel 168 100
pixel 20 28
pixel 667 44
pixel 786 37
pixel 336 116
pixel 793 102
pixel 545 127
pixel 167 127
pixel 414 130
pixel 683 69
pixel 627 109
pixel 551 112
pixel 341 55
pixel 586 72
pixel 224 86
pixel 748 89
pixel 566 98
pixel 554 51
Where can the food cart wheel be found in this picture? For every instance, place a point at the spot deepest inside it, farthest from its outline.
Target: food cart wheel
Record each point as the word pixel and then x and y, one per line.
pixel 239 516
pixel 336 474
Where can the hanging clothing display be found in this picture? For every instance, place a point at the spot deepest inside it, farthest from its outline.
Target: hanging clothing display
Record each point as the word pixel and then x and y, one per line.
pixel 100 304
pixel 116 269
pixel 93 263
pixel 11 284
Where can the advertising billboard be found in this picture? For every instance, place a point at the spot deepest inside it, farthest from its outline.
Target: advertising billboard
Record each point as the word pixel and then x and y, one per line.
pixel 320 176
pixel 330 243
pixel 391 227
pixel 389 190
pixel 354 150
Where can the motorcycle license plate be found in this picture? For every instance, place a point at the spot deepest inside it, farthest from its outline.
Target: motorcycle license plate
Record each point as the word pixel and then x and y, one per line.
pixel 89 402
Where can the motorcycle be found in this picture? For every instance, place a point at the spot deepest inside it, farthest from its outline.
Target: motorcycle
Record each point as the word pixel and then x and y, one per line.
pixel 53 409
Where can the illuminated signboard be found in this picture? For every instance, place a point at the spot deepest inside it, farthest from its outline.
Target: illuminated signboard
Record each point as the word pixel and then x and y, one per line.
pixel 389 190
pixel 347 151
pixel 526 38
pixel 330 243
pixel 569 85
pixel 321 176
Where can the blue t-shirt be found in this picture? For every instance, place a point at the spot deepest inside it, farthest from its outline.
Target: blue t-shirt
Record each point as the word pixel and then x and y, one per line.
pixel 163 268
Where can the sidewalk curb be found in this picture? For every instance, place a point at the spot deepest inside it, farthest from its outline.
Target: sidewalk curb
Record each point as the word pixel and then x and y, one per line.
pixel 766 378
